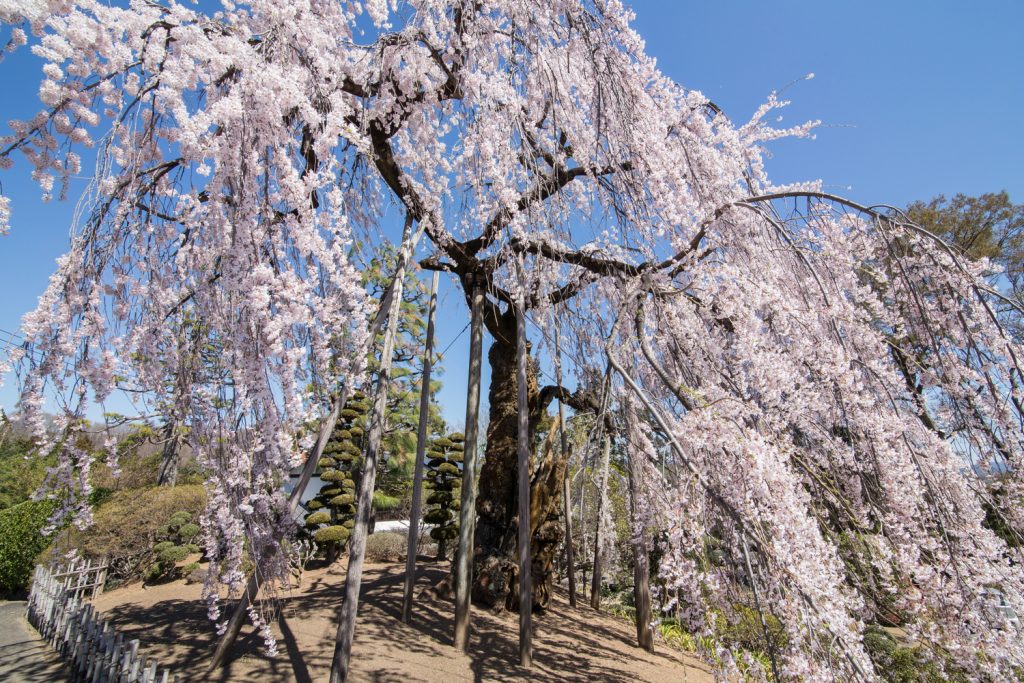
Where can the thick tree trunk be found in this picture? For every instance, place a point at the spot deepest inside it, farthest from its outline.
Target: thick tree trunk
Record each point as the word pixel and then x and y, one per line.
pixel 171 456
pixel 494 565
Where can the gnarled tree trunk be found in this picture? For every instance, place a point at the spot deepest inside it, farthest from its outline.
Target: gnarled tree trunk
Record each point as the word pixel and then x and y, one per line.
pixel 494 568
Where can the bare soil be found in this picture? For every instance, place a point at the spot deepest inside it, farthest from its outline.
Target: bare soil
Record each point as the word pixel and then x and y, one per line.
pixel 570 644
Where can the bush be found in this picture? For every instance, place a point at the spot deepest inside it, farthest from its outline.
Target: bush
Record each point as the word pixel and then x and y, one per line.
pixel 897 663
pixel 21 541
pixel 133 524
pixel 386 546
pixel 319 517
pixel 330 534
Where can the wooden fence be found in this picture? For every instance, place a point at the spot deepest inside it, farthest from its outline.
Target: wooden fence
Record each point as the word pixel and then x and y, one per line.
pixel 94 651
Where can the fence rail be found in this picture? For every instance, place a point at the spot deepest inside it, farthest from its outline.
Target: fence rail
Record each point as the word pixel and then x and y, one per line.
pixel 58 608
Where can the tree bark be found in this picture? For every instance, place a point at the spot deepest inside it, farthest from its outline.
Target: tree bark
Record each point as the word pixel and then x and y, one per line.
pixel 523 469
pixel 171 455
pixel 641 561
pixel 595 587
pixel 566 498
pixel 467 513
pixel 497 526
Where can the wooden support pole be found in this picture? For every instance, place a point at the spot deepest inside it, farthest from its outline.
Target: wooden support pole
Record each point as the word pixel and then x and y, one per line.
pixel 583 522
pixel 421 447
pixel 253 585
pixel 326 428
pixel 525 574
pixel 364 504
pixel 595 586
pixel 566 497
pixel 641 561
pixel 467 509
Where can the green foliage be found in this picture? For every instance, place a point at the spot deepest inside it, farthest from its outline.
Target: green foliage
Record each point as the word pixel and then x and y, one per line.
pixel 21 541
pixel 382 501
pixel 331 534
pixel 188 531
pixel 444 479
pixel 175 553
pixel 135 528
pixel 989 226
pixel 342 500
pixel 318 518
pixel 897 663
pixel 333 505
pixel 22 470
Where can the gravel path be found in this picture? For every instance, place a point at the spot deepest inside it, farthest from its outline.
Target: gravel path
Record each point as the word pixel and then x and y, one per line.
pixel 24 656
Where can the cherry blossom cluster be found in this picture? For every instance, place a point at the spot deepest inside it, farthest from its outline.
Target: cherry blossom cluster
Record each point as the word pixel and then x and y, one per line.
pixel 822 375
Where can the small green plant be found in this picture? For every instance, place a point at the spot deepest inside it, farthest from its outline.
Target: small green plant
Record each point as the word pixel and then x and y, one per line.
pixel 177 534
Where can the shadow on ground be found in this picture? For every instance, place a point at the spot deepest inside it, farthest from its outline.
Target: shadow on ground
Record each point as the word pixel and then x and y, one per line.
pixel 570 644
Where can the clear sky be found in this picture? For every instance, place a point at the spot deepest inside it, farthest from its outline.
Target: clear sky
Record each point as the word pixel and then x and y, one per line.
pixel 916 99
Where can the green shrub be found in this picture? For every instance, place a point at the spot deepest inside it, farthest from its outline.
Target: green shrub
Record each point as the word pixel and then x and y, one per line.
pixel 331 534
pixel 130 527
pixel 173 554
pixel 382 501
pixel 21 541
pixel 319 517
pixel 188 531
pixel 343 499
pixel 438 516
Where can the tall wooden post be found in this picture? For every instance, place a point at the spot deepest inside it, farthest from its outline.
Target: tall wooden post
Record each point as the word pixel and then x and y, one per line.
pixel 421 447
pixel 583 522
pixel 566 498
pixel 595 586
pixel 525 574
pixel 641 562
pixel 364 505
pixel 467 509
pixel 326 428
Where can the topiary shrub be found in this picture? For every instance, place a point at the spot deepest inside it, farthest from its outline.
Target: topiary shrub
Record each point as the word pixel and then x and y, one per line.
pixel 318 518
pixel 331 534
pixel 334 506
pixel 178 534
pixel 21 541
pixel 444 479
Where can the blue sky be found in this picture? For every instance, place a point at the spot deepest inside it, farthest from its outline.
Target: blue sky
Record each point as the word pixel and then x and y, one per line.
pixel 916 99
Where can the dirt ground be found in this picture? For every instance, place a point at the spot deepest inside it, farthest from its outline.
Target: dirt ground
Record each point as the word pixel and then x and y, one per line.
pixel 570 644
